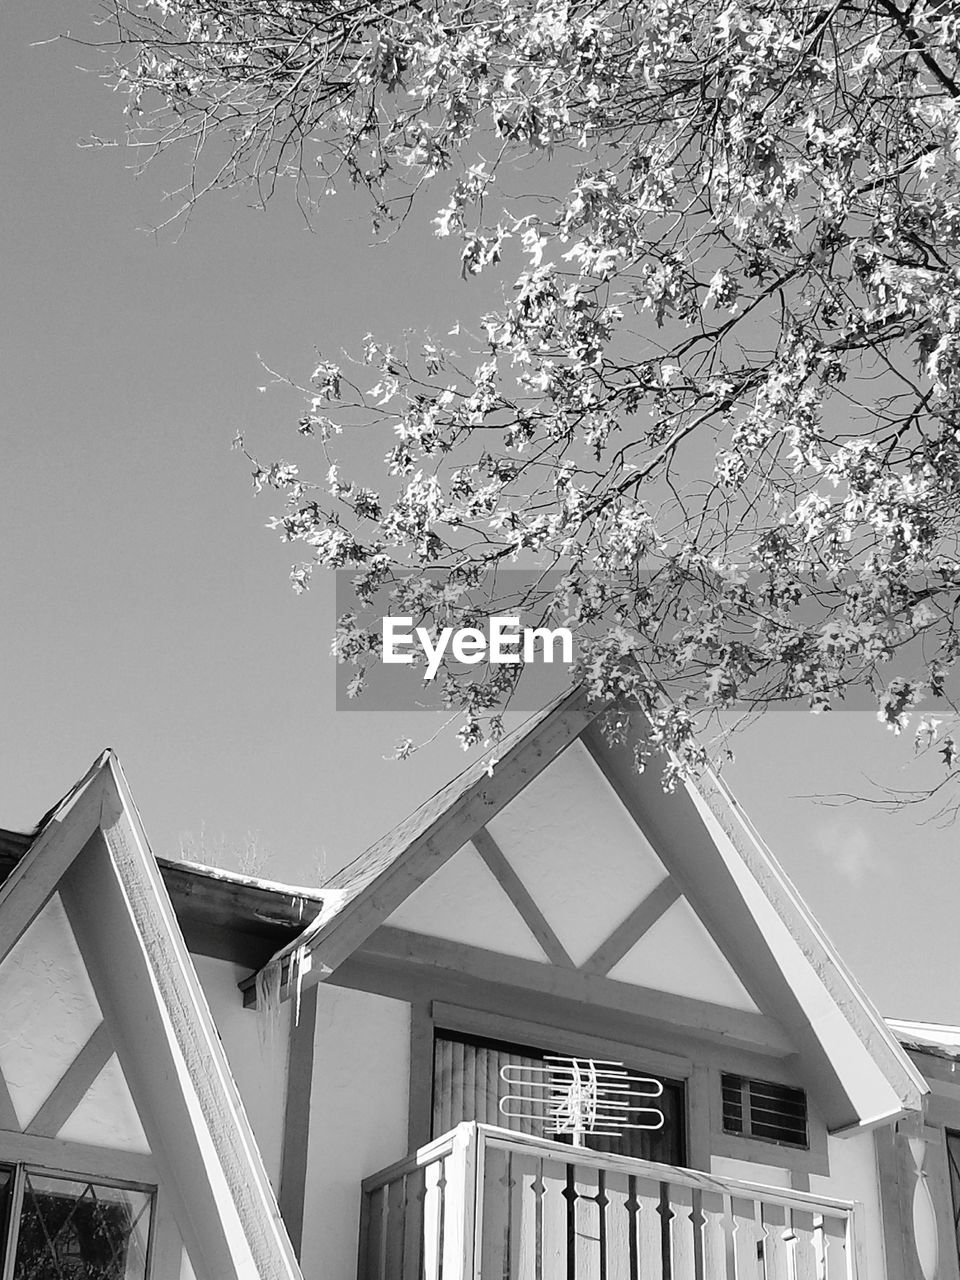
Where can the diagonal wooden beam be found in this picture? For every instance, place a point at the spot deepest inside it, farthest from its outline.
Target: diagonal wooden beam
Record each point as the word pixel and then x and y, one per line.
pixel 296 1120
pixel 8 1113
pixel 68 1092
pixel 626 935
pixel 519 895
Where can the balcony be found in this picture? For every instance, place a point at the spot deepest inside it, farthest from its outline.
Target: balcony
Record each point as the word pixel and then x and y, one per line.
pixel 482 1203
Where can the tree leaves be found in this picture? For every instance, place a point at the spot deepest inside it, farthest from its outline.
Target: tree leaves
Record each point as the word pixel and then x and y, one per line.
pixel 722 391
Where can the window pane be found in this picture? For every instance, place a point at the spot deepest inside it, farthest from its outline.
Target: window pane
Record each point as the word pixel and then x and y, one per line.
pixel 953 1164
pixel 72 1230
pixel 6 1188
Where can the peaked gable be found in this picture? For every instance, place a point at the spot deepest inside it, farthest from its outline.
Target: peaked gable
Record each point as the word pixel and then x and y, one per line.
pixel 665 906
pixel 358 898
pixel 97 989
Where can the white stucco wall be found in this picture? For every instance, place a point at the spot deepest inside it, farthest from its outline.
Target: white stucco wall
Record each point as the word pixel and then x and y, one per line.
pixel 854 1176
pixel 48 1009
pixel 258 1061
pixel 358 1119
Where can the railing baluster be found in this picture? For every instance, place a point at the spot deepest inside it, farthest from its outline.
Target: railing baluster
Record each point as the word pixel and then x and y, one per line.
pixel 665 1212
pixel 377 1234
pixel 819 1247
pixel 712 1258
pixel 553 1245
pixel 684 1231
pixel 729 1239
pixel 838 1260
pixel 804 1245
pixel 747 1239
pixel 633 1208
pixel 494 1254
pixel 432 1220
pixel 761 1240
pixel 618 1225
pixel 524 1204
pixel 414 1189
pixel 790 1239
pixel 586 1224
pixel 393 1235
pixel 649 1231
pixel 538 1190
pixel 776 1254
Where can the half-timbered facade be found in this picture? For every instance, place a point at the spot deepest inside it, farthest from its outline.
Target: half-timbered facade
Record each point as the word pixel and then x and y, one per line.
pixel 211 1076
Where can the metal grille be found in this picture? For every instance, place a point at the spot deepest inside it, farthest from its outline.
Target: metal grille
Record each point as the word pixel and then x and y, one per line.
pixel 762 1109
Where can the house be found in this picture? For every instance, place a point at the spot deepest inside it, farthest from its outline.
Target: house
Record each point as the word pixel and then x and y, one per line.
pixel 205 1076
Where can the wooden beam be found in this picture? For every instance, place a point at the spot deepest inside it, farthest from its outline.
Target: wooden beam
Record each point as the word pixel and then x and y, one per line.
pixel 628 934
pixel 718 1022
pixel 519 895
pixel 540 1033
pixel 895 1212
pixel 296 1119
pixel 166 1244
pixel 412 983
pixel 8 1113
pixel 79 1159
pixel 99 916
pixel 198 1043
pixel 68 1092
pixel 420 1106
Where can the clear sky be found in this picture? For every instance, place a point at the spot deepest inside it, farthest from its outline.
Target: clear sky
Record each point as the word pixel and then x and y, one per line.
pixel 144 606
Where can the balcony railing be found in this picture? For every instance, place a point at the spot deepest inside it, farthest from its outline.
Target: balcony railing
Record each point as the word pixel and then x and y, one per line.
pixel 489 1204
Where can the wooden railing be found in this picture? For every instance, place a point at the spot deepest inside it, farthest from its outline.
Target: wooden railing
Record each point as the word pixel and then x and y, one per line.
pixel 488 1204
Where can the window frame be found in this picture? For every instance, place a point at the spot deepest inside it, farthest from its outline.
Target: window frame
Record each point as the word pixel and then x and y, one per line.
pixel 802 1161
pixel 20 1169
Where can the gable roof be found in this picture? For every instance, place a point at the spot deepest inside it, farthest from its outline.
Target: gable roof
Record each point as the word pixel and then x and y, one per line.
pixel 221 913
pixel 361 895
pixel 851 1061
pixel 935 1039
pixel 90 855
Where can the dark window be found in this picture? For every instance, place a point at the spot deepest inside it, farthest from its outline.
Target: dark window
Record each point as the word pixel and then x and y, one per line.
pixel 53 1227
pixel 467 1086
pixel 762 1109
pixel 953 1164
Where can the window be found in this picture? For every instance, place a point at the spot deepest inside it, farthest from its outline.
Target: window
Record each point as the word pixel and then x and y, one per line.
pixel 467 1086
pixel 764 1110
pixel 58 1227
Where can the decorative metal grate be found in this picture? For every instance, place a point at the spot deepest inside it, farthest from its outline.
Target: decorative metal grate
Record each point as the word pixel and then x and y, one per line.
pixel 765 1110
